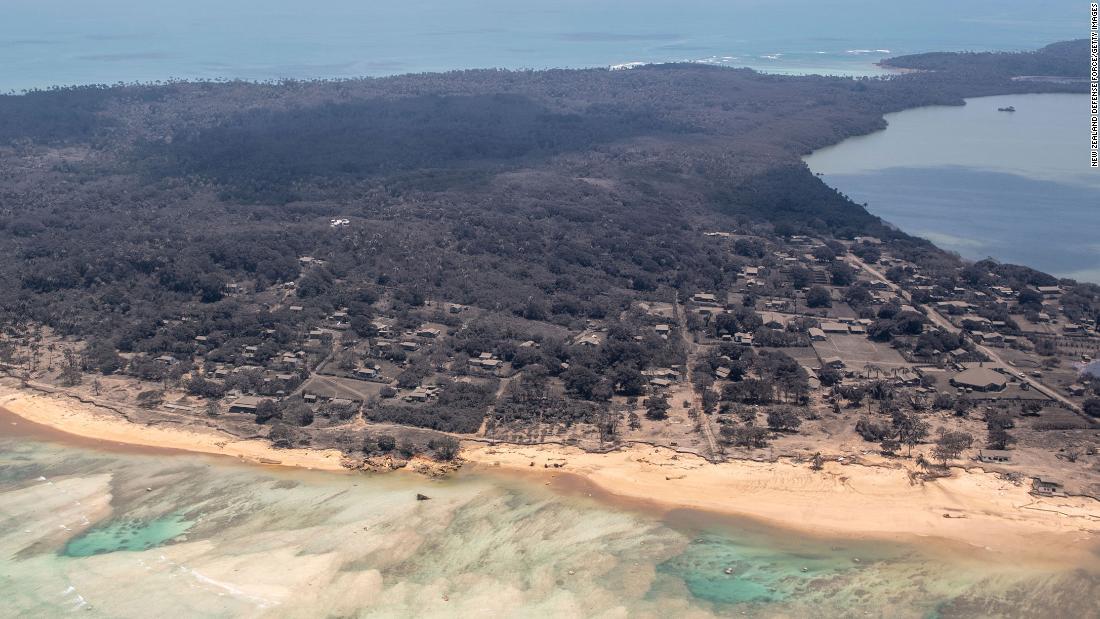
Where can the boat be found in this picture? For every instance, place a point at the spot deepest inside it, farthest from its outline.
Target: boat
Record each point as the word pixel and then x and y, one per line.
pixel 1006 109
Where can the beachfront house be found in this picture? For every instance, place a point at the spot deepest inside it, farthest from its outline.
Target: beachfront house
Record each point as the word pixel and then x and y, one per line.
pixel 994 456
pixel 1046 486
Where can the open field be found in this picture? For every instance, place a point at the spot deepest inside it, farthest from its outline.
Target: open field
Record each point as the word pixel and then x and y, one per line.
pixel 857 351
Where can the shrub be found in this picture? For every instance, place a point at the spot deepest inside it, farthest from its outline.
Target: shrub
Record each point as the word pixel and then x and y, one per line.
pixel 445 447
pixel 386 442
pixel 872 432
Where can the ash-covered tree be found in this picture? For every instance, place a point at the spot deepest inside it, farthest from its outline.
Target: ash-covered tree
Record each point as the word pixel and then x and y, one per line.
pixel 386 443
pixel 784 419
pixel 607 421
pixel 997 425
pixel 444 447
pixel 151 398
pixel 628 380
pixel 656 407
pixel 746 435
pixel 889 446
pixel 266 410
pixel 581 381
pixel 296 413
pixel 1091 407
pixel 950 445
pixel 910 428
pixel 819 296
pixel 282 436
pixel 102 357
pixel 841 274
pixel 72 373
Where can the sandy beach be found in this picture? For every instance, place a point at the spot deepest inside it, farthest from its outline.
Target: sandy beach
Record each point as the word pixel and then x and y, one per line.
pixel 877 501
pixel 855 500
pixel 88 421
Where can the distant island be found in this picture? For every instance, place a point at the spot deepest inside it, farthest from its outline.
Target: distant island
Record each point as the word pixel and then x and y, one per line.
pixel 392 272
pixel 1055 61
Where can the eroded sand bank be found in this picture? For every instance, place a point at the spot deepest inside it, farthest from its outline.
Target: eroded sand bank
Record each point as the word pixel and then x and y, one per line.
pixel 92 422
pixel 878 501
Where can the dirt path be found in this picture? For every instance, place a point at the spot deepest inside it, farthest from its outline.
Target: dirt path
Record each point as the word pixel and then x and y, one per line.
pixel 496 398
pixel 692 350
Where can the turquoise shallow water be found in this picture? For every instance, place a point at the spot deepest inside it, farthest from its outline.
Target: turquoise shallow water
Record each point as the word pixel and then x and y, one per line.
pixel 127 535
pixel 757 573
pixel 122 535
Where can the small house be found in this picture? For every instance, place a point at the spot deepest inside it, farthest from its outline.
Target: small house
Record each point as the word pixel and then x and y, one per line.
pixel 705 298
pixel 366 373
pixel 1047 487
pixel 244 404
pixel 994 456
pixel 666 373
pixel 417 395
pixel 589 339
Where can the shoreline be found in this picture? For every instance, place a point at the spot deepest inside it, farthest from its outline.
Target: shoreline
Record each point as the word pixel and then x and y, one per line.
pixel 854 501
pixel 97 424
pixel 875 501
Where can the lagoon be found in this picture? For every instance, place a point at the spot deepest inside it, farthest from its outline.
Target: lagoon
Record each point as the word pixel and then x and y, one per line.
pixel 1014 186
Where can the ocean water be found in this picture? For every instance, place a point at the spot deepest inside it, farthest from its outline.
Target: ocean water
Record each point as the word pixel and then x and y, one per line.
pixel 103 534
pixel 60 42
pixel 1016 186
